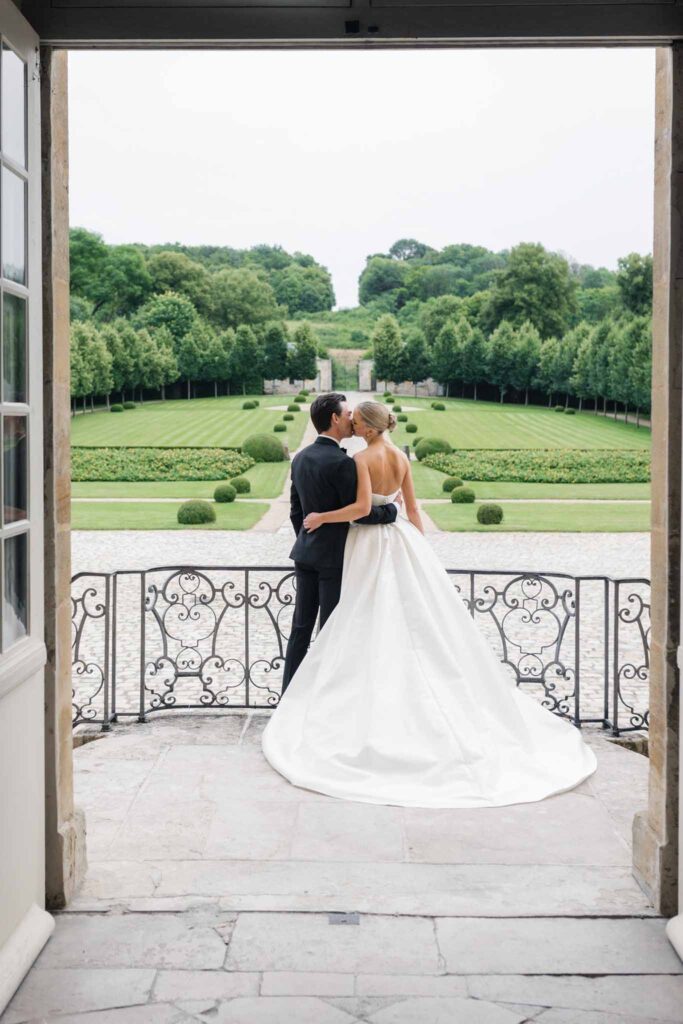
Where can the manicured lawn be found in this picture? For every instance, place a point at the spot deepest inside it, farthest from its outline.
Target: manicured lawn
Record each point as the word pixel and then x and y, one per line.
pixel 429 484
pixel 150 515
pixel 200 422
pixel 468 424
pixel 267 481
pixel 569 518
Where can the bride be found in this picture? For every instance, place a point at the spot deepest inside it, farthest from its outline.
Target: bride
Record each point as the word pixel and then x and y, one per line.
pixel 400 700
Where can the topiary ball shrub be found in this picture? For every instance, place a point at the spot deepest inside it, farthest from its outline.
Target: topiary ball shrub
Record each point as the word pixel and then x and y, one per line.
pixel 402 417
pixel 387 394
pixel 299 399
pixel 416 440
pixel 570 412
pixel 117 407
pixel 225 492
pixel 389 400
pixel 191 513
pixel 279 427
pixel 128 405
pixel 411 428
pixel 398 408
pixel 462 495
pixel 241 484
pixel 431 446
pixel 256 401
pixel 489 514
pixel 304 391
pixel 450 482
pixel 559 408
pixel 249 404
pixel 288 416
pixel 438 407
pixel 293 407
pixel 264 448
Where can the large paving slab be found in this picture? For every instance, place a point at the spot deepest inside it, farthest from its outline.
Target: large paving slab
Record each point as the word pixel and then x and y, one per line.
pixel 48 991
pixel 555 946
pixel 446 1011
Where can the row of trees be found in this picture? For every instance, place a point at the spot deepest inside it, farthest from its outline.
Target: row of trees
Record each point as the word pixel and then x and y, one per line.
pixel 526 283
pixel 608 361
pixel 166 345
pixel 227 286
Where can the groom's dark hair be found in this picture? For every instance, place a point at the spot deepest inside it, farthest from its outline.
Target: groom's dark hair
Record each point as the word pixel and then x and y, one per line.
pixel 324 407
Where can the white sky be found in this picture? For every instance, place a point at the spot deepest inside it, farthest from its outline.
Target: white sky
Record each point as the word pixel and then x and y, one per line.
pixel 339 154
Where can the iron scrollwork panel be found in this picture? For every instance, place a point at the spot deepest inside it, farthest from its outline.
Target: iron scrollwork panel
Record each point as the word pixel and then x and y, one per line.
pixel 90 611
pixel 631 662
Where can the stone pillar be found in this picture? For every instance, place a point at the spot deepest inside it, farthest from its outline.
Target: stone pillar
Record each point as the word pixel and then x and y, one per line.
pixel 655 830
pixel 64 824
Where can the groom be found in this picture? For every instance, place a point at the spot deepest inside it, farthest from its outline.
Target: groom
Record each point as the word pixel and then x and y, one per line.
pixel 323 479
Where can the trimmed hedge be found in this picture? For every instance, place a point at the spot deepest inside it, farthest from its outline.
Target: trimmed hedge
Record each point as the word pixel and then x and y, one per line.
pixel 279 428
pixel 288 416
pixel 559 466
pixel 489 514
pixel 462 495
pixel 191 513
pixel 293 407
pixel 411 428
pixel 264 448
pixel 398 408
pixel 569 411
pixel 299 399
pixel 224 493
pixel 172 464
pixel 116 407
pixel 249 405
pixel 438 407
pixel 129 405
pixel 389 400
pixel 558 408
pixel 402 417
pixel 430 446
pixel 241 484
pixel 450 482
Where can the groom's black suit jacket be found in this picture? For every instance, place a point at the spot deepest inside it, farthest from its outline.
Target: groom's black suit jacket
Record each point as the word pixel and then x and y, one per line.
pixel 324 478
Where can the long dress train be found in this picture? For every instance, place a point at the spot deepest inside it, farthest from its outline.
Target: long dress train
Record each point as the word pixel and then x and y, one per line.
pixel 400 699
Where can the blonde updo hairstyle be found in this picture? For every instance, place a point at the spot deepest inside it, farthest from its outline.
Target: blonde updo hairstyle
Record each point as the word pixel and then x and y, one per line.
pixel 376 416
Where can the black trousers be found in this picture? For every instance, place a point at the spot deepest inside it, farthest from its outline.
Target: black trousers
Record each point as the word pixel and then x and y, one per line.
pixel 316 590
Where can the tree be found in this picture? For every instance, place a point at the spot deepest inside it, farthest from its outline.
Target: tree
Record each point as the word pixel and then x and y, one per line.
pixel 387 349
pixel 634 280
pixel 549 374
pixel 408 249
pixel 537 286
pixel 170 310
pixel 246 359
pixel 566 357
pixel 379 275
pixel 176 272
pixel 641 370
pixel 275 364
pixel 446 356
pixel 168 364
pixel 602 337
pixel 87 257
pixel 189 358
pixel 101 366
pixel 122 360
pixel 501 356
pixel 620 365
pixel 580 380
pixel 123 283
pixel 241 297
pixel 416 359
pixel 473 355
pixel 435 313
pixel 81 369
pixel 527 351
pixel 304 289
pixel 303 356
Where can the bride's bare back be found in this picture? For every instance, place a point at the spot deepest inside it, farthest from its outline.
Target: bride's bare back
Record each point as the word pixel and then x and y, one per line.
pixel 387 466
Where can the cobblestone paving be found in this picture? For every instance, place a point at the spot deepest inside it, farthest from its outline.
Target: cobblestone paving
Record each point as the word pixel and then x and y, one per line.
pixel 532 631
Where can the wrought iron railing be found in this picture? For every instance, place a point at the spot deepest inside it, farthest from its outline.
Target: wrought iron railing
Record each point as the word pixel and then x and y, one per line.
pixel 181 637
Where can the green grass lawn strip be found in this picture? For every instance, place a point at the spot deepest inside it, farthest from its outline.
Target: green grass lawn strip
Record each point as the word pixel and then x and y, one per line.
pixel 159 516
pixel 597 518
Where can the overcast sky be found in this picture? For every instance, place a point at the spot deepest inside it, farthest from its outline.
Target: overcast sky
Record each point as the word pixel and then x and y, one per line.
pixel 339 154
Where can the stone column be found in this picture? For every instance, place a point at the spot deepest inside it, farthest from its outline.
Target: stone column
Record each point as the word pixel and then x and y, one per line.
pixel 64 824
pixel 655 830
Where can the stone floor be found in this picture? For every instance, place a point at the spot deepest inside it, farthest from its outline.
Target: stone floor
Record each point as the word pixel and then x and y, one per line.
pixel 218 892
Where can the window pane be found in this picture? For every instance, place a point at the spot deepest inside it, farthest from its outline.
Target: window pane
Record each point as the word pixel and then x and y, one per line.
pixel 13 227
pixel 15 469
pixel 13 106
pixel 13 349
pixel 15 598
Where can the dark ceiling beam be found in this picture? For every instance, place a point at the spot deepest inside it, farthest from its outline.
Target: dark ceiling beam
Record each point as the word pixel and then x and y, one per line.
pixel 77 23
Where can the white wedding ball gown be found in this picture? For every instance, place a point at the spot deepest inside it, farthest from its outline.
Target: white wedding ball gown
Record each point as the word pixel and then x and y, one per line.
pixel 400 699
